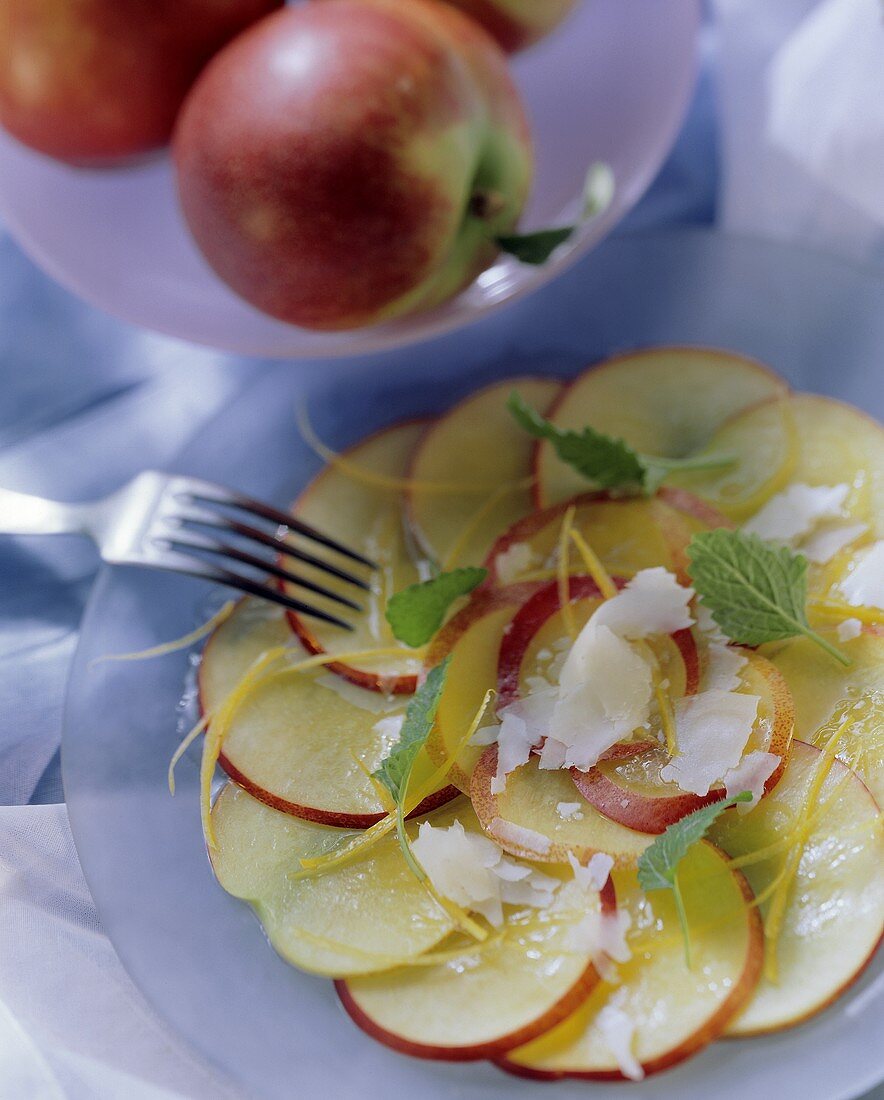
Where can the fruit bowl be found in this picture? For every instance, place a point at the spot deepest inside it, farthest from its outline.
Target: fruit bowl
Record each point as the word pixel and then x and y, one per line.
pixel 611 84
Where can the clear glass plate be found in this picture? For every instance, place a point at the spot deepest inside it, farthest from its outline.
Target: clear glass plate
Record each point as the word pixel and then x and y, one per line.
pixel 611 84
pixel 200 956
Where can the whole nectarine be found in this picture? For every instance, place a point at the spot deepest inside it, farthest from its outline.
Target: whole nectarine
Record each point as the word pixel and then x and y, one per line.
pixel 92 81
pixel 347 162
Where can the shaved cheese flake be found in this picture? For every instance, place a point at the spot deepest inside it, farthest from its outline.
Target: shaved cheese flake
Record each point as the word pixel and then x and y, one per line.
pixel 519 837
pixel 511 563
pixel 618 1031
pixel 824 544
pixel 723 666
pixel 796 511
pixel 653 602
pixel 569 810
pixel 474 873
pixel 864 584
pixel 849 629
pixel 752 772
pixel 486 735
pixel 595 874
pixel 707 625
pixel 552 754
pixel 523 724
pixel 388 730
pixel 712 729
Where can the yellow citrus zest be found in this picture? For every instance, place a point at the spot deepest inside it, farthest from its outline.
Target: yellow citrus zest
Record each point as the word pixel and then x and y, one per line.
pixel 186 742
pixel 563 572
pixel 386 481
pixel 172 647
pixel 593 564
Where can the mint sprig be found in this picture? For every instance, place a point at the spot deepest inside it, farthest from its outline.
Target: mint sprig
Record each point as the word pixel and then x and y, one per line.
pixel 658 864
pixel 417 612
pixel 536 248
pixel 608 462
pixel 757 592
pixel 396 767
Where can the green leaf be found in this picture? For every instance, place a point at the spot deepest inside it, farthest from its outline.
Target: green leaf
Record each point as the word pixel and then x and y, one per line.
pixel 395 769
pixel 534 248
pixel 537 247
pixel 658 864
pixel 417 612
pixel 756 592
pixel 610 463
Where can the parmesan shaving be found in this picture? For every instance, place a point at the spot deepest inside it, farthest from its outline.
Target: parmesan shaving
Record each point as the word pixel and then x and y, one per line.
pixel 473 872
pixel 724 663
pixel 595 874
pixel 653 602
pixel 795 512
pixel 849 629
pixel 752 772
pixel 569 811
pixel 513 562
pixel 824 544
pixel 527 840
pixel 712 729
pixel 618 1032
pixel 864 584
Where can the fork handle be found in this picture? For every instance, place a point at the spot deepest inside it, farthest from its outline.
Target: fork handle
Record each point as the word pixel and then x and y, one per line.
pixel 22 514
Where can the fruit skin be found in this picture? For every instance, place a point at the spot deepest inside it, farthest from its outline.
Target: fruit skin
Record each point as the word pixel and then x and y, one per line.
pixel 347 162
pixel 93 82
pixel 516 23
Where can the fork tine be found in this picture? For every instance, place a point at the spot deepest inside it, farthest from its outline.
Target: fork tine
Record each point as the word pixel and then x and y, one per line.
pixel 224 550
pixel 222 523
pixel 244 584
pixel 281 519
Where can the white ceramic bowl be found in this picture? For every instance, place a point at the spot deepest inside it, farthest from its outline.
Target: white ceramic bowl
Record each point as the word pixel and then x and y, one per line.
pixel 611 84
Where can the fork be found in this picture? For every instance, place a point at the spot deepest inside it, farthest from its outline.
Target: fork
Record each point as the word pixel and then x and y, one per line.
pixel 183 524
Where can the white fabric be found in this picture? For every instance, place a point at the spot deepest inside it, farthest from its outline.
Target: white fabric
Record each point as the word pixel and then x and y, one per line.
pixel 801 112
pixel 72 1024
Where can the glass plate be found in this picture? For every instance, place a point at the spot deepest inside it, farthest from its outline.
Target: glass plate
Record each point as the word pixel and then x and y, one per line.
pixel 200 956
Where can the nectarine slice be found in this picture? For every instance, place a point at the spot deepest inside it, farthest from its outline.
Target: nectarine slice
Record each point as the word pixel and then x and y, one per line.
pixel 663 401
pixel 353 502
pixel 525 820
pixel 828 695
pixel 675 1011
pixel 834 914
pixel 303 744
pixel 801 438
pixel 476 440
pixel 629 789
pixel 355 919
pixel 627 535
pixel 489 999
pixel 472 640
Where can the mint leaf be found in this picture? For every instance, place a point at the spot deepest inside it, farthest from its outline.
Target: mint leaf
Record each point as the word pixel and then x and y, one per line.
pixel 416 613
pixel 537 247
pixel 395 769
pixel 756 592
pixel 658 864
pixel 610 463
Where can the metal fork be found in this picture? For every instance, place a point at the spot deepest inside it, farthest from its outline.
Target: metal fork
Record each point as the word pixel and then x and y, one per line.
pixel 183 524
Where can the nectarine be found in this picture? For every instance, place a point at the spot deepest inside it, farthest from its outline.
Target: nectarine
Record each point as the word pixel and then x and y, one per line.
pixel 94 81
pixel 348 162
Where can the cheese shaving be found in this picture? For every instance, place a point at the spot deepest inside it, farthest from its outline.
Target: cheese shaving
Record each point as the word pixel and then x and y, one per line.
pixel 594 874
pixel 712 729
pixel 653 602
pixel 824 544
pixel 473 872
pixel 569 811
pixel 795 512
pixel 864 584
pixel 517 836
pixel 513 562
pixel 752 772
pixel 618 1032
pixel 849 629
pixel 723 666
pixel 523 724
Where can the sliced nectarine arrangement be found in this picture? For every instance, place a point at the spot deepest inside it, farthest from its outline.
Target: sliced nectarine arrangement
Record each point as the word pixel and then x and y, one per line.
pixel 552 811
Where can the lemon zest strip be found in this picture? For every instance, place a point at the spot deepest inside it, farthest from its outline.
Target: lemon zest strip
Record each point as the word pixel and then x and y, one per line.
pixel 172 647
pixel 563 572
